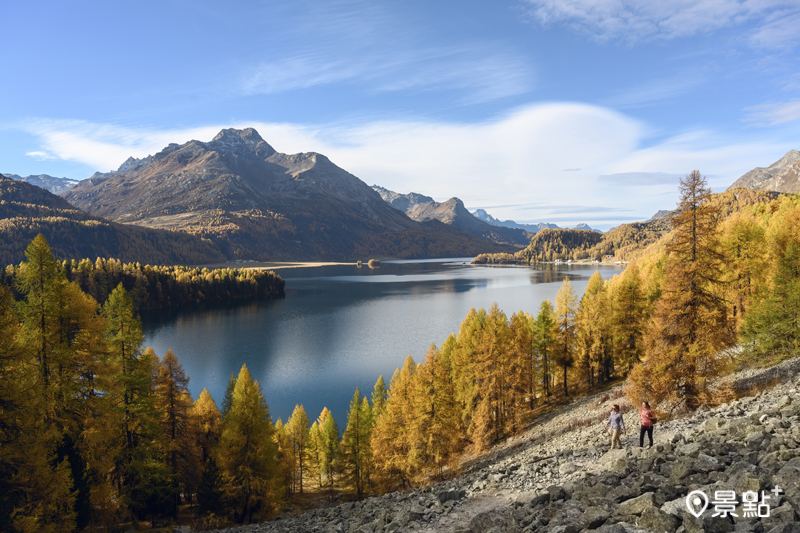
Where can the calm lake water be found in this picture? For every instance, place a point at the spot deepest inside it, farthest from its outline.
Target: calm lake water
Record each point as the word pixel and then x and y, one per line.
pixel 340 327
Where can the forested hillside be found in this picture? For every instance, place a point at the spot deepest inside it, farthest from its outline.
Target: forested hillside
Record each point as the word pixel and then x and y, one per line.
pixel 623 243
pixel 155 287
pixel 27 210
pixel 550 245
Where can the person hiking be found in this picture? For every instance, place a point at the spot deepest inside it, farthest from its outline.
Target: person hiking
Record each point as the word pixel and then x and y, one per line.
pixel 617 425
pixel 646 419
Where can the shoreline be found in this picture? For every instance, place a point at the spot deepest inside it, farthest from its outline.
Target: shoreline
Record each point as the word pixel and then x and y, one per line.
pixel 273 265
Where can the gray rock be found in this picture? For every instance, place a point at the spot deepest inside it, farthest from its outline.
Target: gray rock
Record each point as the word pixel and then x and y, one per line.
pixel 593 517
pixel 691 449
pixel 568 468
pixel 676 507
pixel 658 521
pixel 705 463
pixel 489 520
pixel 779 515
pixel 788 479
pixel 636 506
pixel 451 495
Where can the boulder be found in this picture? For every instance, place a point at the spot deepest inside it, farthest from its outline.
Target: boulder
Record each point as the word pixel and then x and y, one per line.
pixel 593 517
pixel 492 519
pixel 788 479
pixel 451 495
pixel 636 506
pixel 568 468
pixel 705 463
pixel 658 521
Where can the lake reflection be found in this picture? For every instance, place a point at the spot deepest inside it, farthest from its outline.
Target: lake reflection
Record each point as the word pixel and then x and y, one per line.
pixel 340 326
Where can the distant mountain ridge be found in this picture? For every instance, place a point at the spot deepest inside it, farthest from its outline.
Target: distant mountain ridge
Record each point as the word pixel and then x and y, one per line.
pixel 532 228
pixel 48 183
pixel 781 176
pixel 257 203
pixel 453 213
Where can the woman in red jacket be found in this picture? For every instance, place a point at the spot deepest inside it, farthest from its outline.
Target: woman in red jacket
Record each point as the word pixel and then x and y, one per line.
pixel 646 419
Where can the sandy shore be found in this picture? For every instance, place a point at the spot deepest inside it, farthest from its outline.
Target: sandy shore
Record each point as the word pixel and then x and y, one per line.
pixel 272 265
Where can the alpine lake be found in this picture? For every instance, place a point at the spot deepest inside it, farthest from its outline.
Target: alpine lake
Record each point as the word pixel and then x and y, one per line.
pixel 341 326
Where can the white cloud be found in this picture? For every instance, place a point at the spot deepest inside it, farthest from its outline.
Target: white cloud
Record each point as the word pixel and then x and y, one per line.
pixel 636 20
pixel 773 114
pixel 780 30
pixel 40 156
pixel 515 162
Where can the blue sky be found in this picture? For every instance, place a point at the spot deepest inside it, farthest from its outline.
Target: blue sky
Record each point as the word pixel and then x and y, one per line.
pixel 536 110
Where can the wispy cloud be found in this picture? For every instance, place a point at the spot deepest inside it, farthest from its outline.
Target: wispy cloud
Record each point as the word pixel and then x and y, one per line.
pixel 363 44
pixel 645 20
pixel 641 178
pixel 774 113
pixel 586 209
pixel 104 146
pixel 656 91
pixel 480 73
pixel 41 156
pixel 779 30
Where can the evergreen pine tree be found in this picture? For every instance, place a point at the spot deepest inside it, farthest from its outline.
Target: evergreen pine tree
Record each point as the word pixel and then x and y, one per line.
pixel 566 308
pixel 379 395
pixel 772 327
pixel 298 434
pixel 355 445
pixel 329 433
pixel 209 423
pixel 314 453
pixel 174 405
pixel 690 324
pixel 247 450
pixel 209 493
pixel 544 328
pixel 390 439
pixel 628 319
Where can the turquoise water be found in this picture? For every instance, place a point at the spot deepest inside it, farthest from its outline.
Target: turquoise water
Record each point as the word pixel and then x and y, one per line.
pixel 340 327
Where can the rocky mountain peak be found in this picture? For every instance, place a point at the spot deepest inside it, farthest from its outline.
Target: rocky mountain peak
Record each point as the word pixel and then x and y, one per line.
pixel 247 138
pixel 781 176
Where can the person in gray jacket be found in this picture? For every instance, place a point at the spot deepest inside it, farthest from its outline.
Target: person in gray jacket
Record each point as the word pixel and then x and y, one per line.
pixel 617 425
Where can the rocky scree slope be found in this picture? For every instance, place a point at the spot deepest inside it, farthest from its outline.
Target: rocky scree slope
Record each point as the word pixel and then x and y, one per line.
pixel 561 477
pixel 257 203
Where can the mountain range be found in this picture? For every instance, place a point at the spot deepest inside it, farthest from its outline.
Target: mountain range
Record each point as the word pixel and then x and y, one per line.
pixel 238 198
pixel 257 203
pixel 532 228
pixel 50 183
pixel 453 213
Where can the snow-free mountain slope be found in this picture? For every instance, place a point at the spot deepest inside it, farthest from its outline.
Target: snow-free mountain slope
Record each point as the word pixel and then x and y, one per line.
pixel 260 204
pixel 453 213
pixel 781 176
